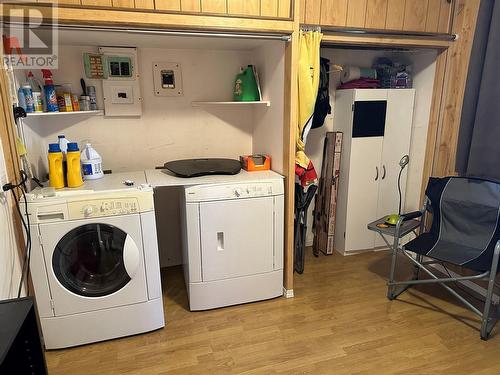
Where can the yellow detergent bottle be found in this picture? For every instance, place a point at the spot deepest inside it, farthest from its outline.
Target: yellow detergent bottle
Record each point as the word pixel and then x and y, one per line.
pixel 56 174
pixel 74 166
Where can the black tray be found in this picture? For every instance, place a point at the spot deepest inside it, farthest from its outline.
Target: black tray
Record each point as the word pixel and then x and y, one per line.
pixel 203 167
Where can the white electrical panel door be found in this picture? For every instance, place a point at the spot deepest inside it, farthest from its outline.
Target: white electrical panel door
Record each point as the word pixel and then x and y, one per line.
pixel 122 91
pixel 397 139
pixel 362 200
pixel 236 238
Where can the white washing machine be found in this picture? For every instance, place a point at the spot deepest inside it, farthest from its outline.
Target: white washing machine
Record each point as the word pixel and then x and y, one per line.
pixel 94 261
pixel 233 240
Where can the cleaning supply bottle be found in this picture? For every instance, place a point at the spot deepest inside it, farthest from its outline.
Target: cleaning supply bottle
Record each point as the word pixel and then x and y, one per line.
pixel 74 174
pixel 63 143
pixel 245 86
pixel 37 89
pixel 50 91
pixel 63 146
pixel 28 96
pixel 91 163
pixel 56 174
pixel 21 99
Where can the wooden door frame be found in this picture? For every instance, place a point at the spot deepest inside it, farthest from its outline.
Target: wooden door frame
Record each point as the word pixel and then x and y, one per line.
pixel 8 136
pixel 290 124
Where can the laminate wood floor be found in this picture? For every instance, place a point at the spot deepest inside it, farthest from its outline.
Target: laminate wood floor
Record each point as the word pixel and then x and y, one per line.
pixel 339 322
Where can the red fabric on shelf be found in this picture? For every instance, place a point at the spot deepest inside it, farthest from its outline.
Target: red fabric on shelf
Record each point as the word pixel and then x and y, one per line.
pixel 362 83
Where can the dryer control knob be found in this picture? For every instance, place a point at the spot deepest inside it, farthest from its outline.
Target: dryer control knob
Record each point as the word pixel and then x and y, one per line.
pixel 87 211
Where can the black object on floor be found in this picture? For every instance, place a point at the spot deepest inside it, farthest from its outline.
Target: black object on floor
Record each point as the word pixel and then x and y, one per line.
pixel 302 201
pixel 21 349
pixel 203 167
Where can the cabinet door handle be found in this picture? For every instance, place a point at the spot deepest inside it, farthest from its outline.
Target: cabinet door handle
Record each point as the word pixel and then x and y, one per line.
pixel 376 177
pixel 383 174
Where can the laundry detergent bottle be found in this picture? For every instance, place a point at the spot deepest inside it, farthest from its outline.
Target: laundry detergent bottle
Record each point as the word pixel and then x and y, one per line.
pixel 91 163
pixel 50 92
pixel 245 86
pixel 74 174
pixel 56 173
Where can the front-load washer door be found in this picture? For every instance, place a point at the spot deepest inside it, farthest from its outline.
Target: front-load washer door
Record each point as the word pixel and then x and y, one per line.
pixel 236 238
pixel 94 264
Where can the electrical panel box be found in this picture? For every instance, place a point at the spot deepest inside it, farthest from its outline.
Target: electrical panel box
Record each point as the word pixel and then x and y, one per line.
pixel 121 89
pixel 167 79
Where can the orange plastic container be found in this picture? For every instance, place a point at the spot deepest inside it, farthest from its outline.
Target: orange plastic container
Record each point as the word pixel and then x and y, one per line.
pixel 256 162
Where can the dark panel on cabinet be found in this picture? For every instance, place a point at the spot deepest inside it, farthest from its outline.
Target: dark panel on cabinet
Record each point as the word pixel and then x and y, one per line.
pixel 369 118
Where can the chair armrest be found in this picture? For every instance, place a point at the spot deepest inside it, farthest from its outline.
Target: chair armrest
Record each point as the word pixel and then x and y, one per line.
pixel 411 215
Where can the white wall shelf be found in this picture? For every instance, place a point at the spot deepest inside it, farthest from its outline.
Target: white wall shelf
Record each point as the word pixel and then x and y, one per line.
pixel 98 112
pixel 265 103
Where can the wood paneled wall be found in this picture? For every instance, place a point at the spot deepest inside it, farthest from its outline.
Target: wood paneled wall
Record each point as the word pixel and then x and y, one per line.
pixel 441 152
pixel 248 8
pixel 401 15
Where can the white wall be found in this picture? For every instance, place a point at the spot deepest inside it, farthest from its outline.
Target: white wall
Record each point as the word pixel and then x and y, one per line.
pixel 10 269
pixel 423 62
pixel 169 128
pixel 268 121
pixel 424 67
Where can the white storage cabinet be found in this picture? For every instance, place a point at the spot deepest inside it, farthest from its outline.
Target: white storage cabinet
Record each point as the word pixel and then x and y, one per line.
pixel 377 130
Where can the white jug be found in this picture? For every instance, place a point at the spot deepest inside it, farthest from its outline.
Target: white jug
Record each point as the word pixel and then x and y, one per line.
pixel 91 163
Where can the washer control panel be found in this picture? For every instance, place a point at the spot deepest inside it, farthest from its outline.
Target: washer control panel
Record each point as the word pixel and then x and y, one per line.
pixel 103 207
pixel 231 191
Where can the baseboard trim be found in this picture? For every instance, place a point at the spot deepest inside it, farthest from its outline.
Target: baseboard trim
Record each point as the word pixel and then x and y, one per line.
pixel 357 252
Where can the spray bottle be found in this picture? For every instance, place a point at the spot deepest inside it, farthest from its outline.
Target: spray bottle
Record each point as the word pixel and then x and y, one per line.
pixel 50 91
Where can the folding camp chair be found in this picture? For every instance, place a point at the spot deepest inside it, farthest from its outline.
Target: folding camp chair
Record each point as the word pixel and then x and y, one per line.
pixel 465 232
pixel 302 201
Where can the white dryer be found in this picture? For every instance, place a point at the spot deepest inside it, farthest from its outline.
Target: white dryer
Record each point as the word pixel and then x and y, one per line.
pixel 94 261
pixel 233 239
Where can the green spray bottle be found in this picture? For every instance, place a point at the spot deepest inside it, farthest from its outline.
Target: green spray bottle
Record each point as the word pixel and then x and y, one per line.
pixel 245 86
